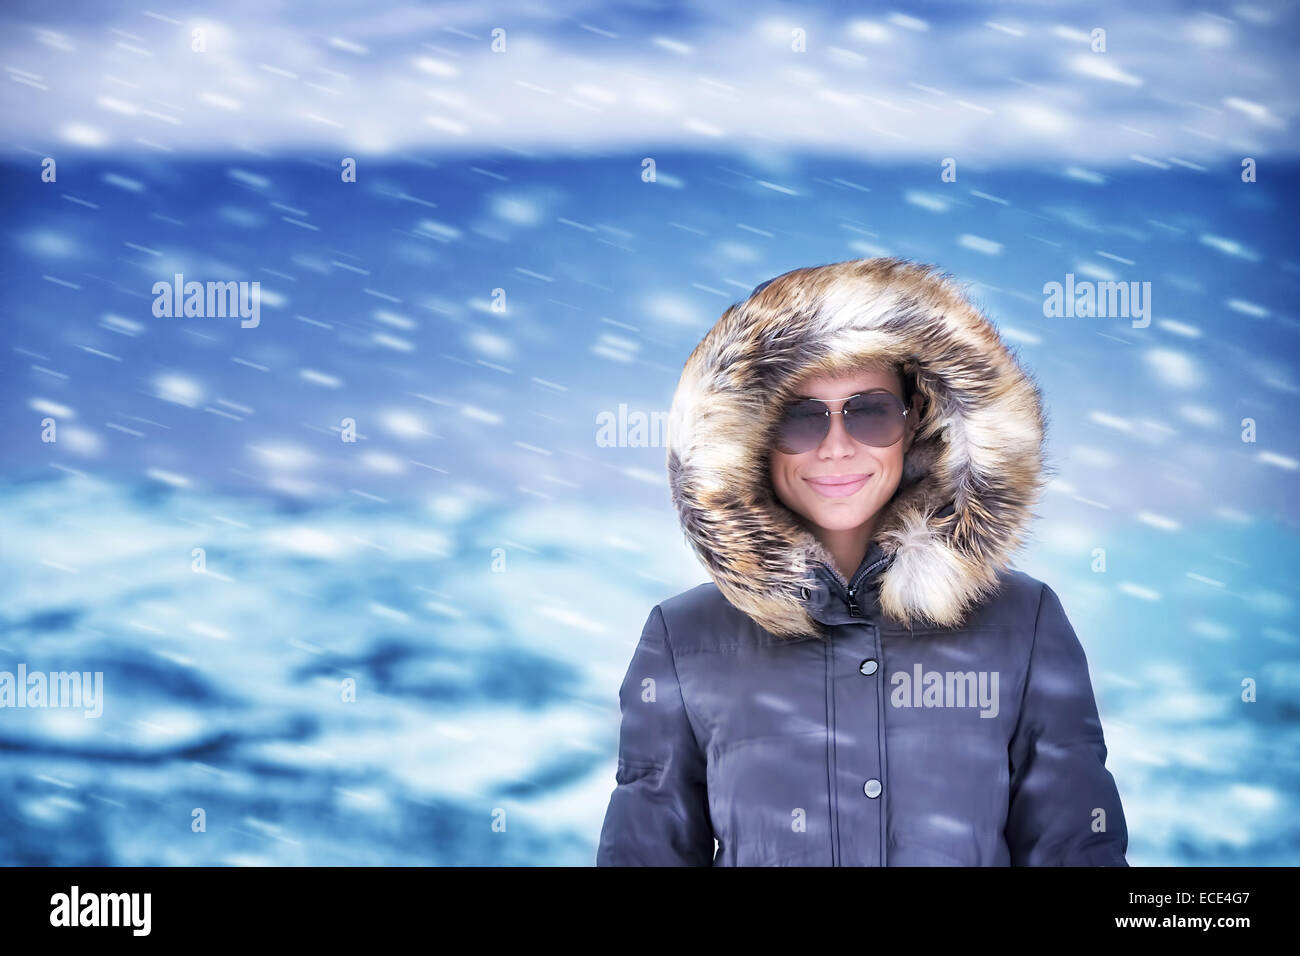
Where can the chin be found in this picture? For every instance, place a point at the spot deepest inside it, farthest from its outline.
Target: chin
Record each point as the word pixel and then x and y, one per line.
pixel 839 519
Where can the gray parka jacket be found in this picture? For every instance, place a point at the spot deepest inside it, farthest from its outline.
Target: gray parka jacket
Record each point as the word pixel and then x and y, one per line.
pixel 934 710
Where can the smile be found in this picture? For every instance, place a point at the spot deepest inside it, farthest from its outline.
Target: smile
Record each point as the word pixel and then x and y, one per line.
pixel 840 486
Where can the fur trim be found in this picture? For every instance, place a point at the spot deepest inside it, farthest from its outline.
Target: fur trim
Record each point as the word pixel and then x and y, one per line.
pixel 979 446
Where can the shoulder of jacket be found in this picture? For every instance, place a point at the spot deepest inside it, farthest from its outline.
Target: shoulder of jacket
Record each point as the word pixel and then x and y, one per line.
pixel 702 599
pixel 1017 583
pixel 697 611
pixel 1015 602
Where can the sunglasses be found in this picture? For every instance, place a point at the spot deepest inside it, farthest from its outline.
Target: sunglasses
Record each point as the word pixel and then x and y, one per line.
pixel 877 419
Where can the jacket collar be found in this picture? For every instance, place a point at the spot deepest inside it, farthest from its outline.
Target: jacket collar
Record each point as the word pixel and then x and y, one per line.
pixel 827 595
pixel 970 480
pixel 867 573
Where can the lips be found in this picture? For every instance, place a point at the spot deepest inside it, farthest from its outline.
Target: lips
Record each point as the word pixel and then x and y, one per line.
pixel 838 486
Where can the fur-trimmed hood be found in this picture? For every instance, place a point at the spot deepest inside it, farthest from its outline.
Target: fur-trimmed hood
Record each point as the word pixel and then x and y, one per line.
pixel 971 478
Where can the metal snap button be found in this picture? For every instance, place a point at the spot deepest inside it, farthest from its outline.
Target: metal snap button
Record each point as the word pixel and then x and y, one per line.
pixel 872 788
pixel 869 666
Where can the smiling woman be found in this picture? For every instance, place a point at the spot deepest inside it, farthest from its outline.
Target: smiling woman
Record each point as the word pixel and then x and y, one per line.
pixel 838 461
pixel 854 455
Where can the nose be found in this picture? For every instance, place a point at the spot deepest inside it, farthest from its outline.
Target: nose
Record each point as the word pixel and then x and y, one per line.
pixel 838 443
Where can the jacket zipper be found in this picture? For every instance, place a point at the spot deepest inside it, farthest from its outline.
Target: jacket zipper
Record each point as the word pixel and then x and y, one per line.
pixel 857 583
pixel 855 611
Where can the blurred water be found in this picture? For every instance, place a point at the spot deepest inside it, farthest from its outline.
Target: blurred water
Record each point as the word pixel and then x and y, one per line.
pixel 481 565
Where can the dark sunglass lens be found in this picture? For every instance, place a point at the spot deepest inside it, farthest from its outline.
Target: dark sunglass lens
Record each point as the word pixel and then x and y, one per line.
pixel 875 419
pixel 803 426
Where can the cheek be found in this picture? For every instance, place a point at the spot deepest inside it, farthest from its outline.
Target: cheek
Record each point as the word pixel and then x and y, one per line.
pixel 782 473
pixel 774 475
pixel 894 465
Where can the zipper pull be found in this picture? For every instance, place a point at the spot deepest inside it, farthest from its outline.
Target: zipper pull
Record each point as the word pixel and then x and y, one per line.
pixel 853 604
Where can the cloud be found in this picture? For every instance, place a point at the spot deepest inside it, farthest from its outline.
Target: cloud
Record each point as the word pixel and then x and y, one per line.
pixel 580 76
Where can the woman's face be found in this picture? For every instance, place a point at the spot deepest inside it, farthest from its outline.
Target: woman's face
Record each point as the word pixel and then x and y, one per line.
pixel 841 484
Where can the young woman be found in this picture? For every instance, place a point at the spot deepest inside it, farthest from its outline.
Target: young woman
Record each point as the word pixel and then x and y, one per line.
pixel 854 455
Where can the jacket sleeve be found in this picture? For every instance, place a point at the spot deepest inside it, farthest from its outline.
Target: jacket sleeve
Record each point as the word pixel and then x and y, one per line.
pixel 1059 780
pixel 658 814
